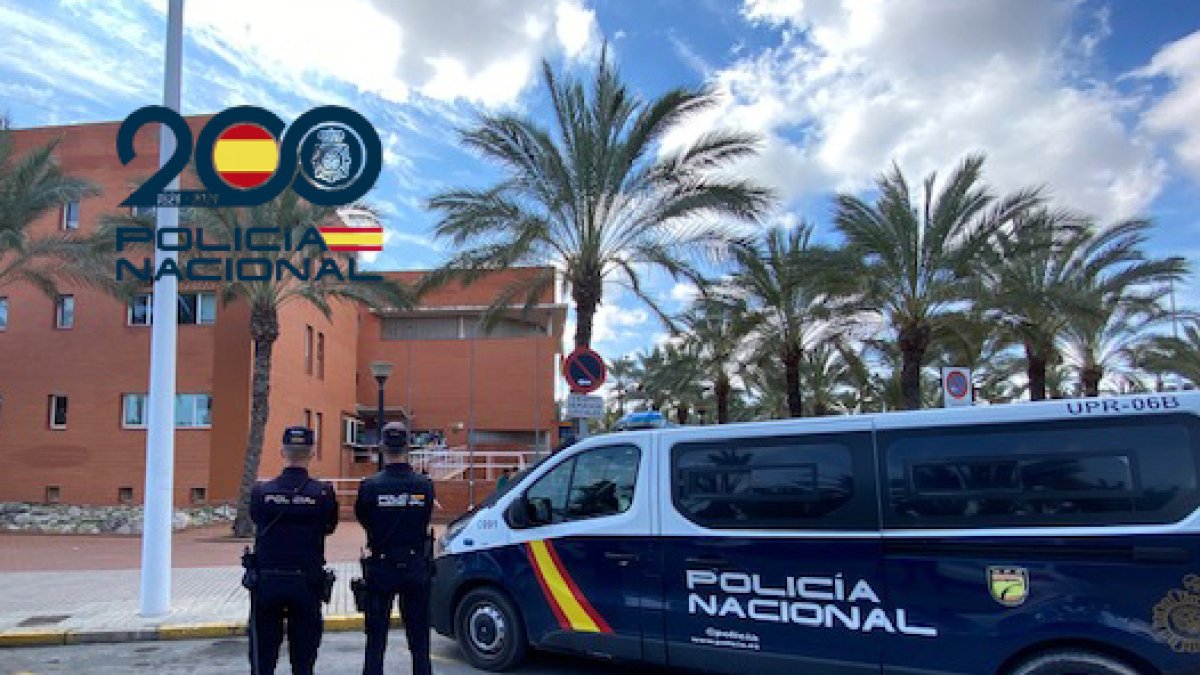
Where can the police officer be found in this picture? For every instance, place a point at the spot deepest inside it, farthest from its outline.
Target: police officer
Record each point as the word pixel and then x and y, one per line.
pixel 293 514
pixel 394 507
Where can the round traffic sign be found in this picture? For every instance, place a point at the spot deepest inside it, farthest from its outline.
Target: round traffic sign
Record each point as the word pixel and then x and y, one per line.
pixel 957 384
pixel 584 370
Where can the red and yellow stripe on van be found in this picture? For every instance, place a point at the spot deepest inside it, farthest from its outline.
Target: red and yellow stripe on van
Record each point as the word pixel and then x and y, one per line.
pixel 570 606
pixel 353 238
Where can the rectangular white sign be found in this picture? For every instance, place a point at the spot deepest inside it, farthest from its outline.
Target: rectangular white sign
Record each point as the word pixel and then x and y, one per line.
pixel 585 406
pixel 957 387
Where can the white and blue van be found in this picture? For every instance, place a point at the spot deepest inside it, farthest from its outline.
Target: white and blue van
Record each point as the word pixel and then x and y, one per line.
pixel 1054 537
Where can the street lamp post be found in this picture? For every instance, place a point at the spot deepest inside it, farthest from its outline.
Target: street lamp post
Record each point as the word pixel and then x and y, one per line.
pixel 380 370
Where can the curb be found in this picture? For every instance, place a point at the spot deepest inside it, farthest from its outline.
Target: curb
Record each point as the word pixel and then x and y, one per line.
pixel 337 623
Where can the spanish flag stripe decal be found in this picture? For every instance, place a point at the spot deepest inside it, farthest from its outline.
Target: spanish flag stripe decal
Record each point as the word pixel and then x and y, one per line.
pixel 241 132
pixel 562 620
pixel 245 156
pixel 583 601
pixel 246 179
pixel 562 593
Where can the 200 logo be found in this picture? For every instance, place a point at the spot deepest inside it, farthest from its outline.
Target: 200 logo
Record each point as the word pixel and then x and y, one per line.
pixel 331 156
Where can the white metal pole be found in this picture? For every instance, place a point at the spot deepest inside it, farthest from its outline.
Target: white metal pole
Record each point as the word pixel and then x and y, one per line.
pixel 160 428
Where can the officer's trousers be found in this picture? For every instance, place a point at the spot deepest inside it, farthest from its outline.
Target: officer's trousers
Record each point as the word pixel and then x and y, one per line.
pixel 414 609
pixel 280 596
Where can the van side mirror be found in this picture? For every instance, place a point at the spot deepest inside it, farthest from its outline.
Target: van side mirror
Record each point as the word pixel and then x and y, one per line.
pixel 518 513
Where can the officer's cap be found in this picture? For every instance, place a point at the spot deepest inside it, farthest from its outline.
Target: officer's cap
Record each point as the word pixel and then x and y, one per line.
pixel 395 435
pixel 297 436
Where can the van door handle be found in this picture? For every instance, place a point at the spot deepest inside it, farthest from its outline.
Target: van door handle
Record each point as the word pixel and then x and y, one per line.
pixel 622 559
pixel 716 563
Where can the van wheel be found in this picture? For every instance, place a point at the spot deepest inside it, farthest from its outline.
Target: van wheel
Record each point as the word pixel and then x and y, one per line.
pixel 1072 662
pixel 489 630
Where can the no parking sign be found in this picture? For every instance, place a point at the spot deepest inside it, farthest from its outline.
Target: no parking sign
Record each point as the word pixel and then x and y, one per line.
pixel 956 387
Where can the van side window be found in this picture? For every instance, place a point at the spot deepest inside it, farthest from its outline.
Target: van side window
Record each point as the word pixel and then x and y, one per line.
pixel 778 483
pixel 1097 472
pixel 596 483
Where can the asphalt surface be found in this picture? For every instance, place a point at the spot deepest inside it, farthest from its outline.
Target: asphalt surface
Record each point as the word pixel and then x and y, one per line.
pixel 340 653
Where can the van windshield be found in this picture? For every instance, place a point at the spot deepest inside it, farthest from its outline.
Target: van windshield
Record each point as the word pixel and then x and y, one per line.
pixel 513 481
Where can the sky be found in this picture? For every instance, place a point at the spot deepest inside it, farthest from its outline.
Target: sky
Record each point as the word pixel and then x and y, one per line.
pixel 1098 101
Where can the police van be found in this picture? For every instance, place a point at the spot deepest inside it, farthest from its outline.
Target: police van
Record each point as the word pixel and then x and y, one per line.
pixel 1036 538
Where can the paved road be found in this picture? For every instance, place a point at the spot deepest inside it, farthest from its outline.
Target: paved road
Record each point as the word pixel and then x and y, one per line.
pixel 340 653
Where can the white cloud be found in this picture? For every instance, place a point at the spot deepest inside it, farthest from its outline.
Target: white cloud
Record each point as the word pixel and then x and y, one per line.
pixel 854 85
pixel 1175 115
pixel 684 292
pixel 484 51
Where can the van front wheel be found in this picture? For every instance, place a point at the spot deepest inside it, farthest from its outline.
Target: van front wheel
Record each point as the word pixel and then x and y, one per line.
pixel 489 630
pixel 1072 662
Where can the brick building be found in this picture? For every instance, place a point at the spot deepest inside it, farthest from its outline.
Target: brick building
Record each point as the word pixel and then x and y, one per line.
pixel 74 370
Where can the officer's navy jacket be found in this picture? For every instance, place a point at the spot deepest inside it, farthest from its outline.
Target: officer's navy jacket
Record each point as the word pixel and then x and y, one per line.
pixel 293 514
pixel 394 507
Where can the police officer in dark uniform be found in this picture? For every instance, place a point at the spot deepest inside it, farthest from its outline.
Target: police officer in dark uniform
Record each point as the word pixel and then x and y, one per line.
pixel 293 514
pixel 394 507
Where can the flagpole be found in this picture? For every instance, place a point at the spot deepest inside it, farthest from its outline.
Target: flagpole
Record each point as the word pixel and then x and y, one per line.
pixel 160 428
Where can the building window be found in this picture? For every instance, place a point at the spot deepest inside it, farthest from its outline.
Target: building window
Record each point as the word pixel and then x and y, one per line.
pixel 3 313
pixel 58 411
pixel 139 310
pixel 64 311
pixel 53 494
pixel 199 495
pixel 141 211
pixel 308 419
pixel 193 309
pixel 321 355
pixel 308 350
pixel 197 308
pixel 70 219
pixel 125 495
pixel 318 426
pixel 192 411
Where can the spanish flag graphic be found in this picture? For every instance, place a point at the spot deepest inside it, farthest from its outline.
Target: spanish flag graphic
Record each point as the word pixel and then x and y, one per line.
pixel 570 606
pixel 245 156
pixel 353 238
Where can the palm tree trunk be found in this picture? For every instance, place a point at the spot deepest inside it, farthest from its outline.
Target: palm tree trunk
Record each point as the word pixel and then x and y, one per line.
pixel 586 294
pixel 791 372
pixel 914 341
pixel 682 413
pixel 820 409
pixel 264 330
pixel 1091 376
pixel 721 391
pixel 1035 369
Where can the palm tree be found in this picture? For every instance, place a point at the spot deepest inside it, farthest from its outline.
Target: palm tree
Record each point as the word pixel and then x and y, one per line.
pixel 1113 294
pixel 285 218
pixel 917 259
pixel 621 373
pixel 1179 355
pixel 32 186
pixel 714 331
pixel 828 372
pixel 595 199
pixel 790 287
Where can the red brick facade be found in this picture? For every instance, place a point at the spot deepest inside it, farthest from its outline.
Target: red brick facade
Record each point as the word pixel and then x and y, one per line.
pixel 501 385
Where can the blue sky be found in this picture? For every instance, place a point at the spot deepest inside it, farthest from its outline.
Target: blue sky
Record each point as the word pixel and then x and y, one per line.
pixel 1096 100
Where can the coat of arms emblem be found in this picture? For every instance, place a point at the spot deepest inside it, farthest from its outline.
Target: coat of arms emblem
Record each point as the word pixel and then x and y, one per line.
pixel 1177 616
pixel 1009 585
pixel 331 158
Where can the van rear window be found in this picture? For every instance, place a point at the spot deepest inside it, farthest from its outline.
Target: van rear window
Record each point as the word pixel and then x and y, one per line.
pixel 1096 473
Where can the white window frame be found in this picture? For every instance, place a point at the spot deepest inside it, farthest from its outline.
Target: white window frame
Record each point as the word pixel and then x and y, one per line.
pixel 200 298
pixel 149 310
pixel 60 304
pixel 125 424
pixel 51 400
pixel 180 399
pixel 65 225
